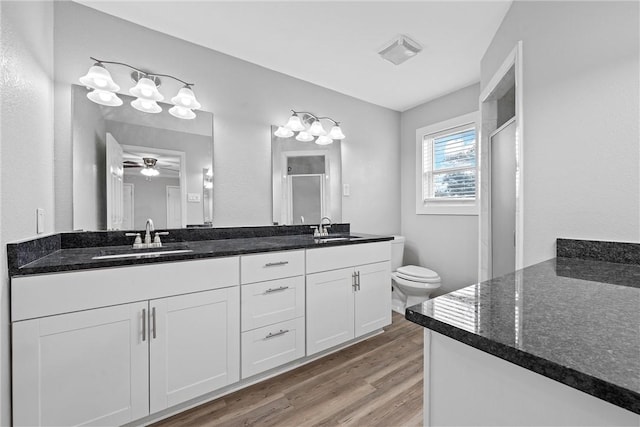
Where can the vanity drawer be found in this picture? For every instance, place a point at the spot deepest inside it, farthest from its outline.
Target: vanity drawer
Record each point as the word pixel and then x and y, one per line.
pixel 271 346
pixel 271 265
pixel 266 303
pixel 336 257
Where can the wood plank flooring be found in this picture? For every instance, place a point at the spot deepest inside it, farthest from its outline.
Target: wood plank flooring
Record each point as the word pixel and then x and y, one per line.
pixel 377 382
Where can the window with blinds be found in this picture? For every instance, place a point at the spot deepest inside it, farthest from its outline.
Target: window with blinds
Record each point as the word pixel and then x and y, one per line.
pixel 449 164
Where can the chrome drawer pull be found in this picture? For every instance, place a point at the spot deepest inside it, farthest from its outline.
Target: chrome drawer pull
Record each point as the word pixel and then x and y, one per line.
pixel 281 288
pixel 282 332
pixel 275 264
pixel 153 315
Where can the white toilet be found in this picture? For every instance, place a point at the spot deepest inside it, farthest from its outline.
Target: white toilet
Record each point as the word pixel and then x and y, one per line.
pixel 411 284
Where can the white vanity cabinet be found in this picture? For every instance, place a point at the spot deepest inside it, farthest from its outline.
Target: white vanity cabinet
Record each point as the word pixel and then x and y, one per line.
pixel 272 310
pixel 111 365
pixel 348 293
pixel 89 367
pixel 194 345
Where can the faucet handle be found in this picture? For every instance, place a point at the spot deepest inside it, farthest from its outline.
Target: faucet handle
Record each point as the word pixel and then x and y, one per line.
pixel 324 229
pixel 137 243
pixel 156 240
pixel 316 232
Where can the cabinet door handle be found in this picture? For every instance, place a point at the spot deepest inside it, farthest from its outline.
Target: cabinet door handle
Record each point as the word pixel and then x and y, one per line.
pixel 144 324
pixel 153 315
pixel 358 280
pixel 275 264
pixel 282 332
pixel 281 288
pixel 353 281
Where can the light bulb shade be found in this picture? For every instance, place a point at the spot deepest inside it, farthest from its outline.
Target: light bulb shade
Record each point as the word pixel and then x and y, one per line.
pixel 295 124
pixel 186 98
pixel 316 129
pixel 99 78
pixel 283 132
pixel 104 97
pixel 182 112
pixel 324 140
pixel 149 171
pixel 336 133
pixel 146 89
pixel 304 137
pixel 146 106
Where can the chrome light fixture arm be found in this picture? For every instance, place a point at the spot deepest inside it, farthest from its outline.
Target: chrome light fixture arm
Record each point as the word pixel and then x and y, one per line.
pixel 145 73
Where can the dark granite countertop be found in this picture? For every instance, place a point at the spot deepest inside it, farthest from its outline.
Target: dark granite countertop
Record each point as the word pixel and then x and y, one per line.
pixel 81 258
pixel 576 321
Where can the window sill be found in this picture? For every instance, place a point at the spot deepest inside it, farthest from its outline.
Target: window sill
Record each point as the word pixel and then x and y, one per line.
pixel 447 207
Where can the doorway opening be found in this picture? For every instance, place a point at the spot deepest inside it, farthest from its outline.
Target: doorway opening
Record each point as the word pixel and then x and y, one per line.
pixel 501 167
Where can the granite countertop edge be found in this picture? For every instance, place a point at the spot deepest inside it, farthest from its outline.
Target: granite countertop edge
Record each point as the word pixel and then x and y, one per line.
pixel 33 269
pixel 609 392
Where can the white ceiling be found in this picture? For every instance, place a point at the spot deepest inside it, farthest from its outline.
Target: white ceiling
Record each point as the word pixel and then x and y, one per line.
pixel 334 44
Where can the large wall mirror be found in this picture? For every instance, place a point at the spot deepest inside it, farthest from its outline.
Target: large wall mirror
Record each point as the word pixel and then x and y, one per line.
pixel 129 166
pixel 306 181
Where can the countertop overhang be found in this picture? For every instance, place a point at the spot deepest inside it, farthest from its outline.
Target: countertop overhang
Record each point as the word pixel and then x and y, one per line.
pixel 573 320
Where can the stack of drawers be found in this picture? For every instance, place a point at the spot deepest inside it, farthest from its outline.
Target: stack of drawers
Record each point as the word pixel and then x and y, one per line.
pixel 272 310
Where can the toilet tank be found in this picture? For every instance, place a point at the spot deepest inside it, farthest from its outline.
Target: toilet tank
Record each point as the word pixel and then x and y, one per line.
pixel 397 252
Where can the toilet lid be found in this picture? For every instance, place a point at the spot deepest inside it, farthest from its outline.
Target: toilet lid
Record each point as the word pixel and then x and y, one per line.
pixel 414 272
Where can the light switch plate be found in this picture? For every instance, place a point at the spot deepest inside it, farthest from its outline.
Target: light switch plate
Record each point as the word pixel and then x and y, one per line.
pixel 193 197
pixel 39 221
pixel 346 190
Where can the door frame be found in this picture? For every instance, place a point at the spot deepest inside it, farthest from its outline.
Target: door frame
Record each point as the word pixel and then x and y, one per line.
pixel 488 112
pixel 168 187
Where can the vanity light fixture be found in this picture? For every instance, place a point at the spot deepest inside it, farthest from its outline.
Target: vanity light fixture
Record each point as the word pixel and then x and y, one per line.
pixel 146 91
pixel 309 128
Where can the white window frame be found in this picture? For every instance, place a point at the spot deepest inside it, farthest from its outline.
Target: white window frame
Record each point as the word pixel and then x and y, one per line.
pixel 445 206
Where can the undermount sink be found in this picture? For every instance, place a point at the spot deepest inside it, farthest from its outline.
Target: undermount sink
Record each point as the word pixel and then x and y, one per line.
pixel 335 238
pixel 143 254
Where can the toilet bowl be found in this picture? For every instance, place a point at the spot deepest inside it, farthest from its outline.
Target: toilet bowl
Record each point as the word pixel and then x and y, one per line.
pixel 411 284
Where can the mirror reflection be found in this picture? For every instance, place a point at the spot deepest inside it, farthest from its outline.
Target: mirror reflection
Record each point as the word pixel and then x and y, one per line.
pixel 130 166
pixel 306 181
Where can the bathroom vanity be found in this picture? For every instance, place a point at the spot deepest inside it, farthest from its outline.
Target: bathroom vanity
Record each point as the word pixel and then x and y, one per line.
pixel 104 339
pixel 556 343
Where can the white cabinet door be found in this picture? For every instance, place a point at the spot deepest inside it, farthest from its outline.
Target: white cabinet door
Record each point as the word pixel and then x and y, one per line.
pixel 84 368
pixel 194 345
pixel 372 297
pixel 330 296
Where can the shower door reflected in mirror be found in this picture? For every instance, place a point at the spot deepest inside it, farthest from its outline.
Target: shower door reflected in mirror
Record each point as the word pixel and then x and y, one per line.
pixel 306 181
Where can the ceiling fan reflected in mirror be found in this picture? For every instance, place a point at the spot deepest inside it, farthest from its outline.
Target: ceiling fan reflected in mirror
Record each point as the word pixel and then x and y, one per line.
pixel 151 165
pixel 147 167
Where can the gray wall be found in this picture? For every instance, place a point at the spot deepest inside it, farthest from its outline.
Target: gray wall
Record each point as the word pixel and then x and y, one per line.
pixel 89 166
pixel 246 100
pixel 581 100
pixel 26 144
pixel 448 244
pixel 150 199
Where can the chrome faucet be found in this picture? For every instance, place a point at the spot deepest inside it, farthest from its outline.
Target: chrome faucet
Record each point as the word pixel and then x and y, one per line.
pixel 147 235
pixel 323 227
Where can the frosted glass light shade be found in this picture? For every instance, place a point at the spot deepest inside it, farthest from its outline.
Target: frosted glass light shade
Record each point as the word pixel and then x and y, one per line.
pixel 283 132
pixel 324 140
pixel 295 124
pixel 146 106
pixel 182 112
pixel 316 129
pixel 150 172
pixel 186 98
pixel 146 89
pixel 336 133
pixel 99 78
pixel 104 97
pixel 304 137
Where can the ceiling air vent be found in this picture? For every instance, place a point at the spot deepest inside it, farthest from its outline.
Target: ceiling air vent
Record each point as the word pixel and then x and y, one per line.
pixel 400 49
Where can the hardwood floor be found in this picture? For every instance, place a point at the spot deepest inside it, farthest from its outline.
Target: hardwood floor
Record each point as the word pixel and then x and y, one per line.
pixel 377 382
